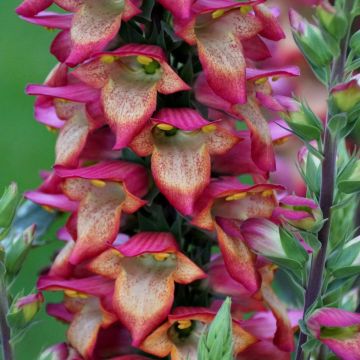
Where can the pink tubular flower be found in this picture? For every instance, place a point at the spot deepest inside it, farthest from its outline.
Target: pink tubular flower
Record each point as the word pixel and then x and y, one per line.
pixel 223 205
pixel 93 25
pixel 179 336
pixel 103 191
pixel 218 29
pixel 181 143
pixel 130 78
pixel 259 93
pixel 145 268
pixel 85 308
pixel 339 330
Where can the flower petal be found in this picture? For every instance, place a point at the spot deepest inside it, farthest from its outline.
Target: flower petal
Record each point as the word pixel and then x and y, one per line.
pixel 32 7
pixel 271 27
pixel 129 101
pixel 261 148
pixel 151 287
pixel 181 169
pixel 238 259
pixel 94 25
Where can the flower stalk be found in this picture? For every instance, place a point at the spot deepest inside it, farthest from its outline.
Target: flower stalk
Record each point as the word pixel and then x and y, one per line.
pixel 328 176
pixel 4 327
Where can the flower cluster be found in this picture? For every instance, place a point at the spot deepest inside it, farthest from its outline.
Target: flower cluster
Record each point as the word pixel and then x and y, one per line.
pixel 149 101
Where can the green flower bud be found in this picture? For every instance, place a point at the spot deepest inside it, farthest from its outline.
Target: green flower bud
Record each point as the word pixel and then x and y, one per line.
pixel 347 95
pixel 8 204
pixel 332 19
pixel 18 249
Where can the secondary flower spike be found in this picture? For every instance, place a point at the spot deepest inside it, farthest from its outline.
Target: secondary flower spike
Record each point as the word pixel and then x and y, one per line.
pixel 130 78
pixel 145 268
pixel 181 143
pixel 103 191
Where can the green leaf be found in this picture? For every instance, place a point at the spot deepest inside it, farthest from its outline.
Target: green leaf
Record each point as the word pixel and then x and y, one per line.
pixel 216 342
pixel 292 247
pixel 311 240
pixel 337 123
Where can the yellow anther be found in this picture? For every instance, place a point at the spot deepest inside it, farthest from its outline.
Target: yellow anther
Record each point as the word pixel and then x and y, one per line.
pixel 108 59
pixel 51 129
pixel 184 324
pixel 261 81
pixel 49 29
pixel 238 196
pixel 161 256
pixel 218 13
pixel 281 140
pixel 165 127
pixel 275 78
pixel 98 183
pixel 267 193
pixel 208 128
pixel 244 10
pixel 144 60
pixel 75 294
pixel 60 100
pixel 49 209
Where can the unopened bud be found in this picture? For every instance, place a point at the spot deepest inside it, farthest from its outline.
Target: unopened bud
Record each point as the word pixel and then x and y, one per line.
pixel 18 249
pixel 8 205
pixel 347 95
pixel 23 311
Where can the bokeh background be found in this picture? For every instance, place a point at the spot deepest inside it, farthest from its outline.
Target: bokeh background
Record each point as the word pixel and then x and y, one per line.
pixel 26 146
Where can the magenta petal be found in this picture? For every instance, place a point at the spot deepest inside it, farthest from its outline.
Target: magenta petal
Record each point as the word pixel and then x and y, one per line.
pixel 204 6
pixel 181 118
pixel 59 312
pixel 294 200
pixel 180 9
pixel 254 74
pixel 94 285
pixel 47 116
pixel 56 201
pixel 133 175
pixel 148 242
pixel 76 92
pixel 271 27
pixel 255 49
pixel 61 46
pixel 32 7
pixel 51 20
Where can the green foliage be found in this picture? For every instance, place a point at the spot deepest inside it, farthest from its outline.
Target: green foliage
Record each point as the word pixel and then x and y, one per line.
pixel 216 342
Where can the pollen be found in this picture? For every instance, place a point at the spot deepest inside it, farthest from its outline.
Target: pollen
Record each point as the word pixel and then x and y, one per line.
pixel 144 60
pixel 208 128
pixel 49 209
pixel 161 256
pixel 244 10
pixel 184 324
pixel 218 13
pixel 108 59
pixel 275 78
pixel 261 81
pixel 165 127
pixel 281 140
pixel 50 29
pixel 238 196
pixel 98 183
pixel 51 129
pixel 75 294
pixel 267 193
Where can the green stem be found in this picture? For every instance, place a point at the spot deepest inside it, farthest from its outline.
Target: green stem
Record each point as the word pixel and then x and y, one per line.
pixel 316 277
pixel 4 327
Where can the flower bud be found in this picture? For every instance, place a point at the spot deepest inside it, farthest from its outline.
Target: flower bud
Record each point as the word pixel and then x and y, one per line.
pixel 8 204
pixel 304 123
pixel 333 20
pixel 300 212
pixel 347 95
pixel 18 249
pixel 310 39
pixel 24 310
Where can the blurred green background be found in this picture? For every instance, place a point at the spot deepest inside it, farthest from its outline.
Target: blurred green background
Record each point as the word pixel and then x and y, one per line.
pixel 26 146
